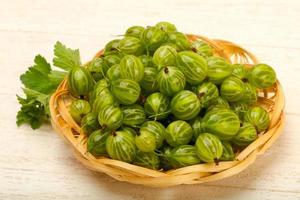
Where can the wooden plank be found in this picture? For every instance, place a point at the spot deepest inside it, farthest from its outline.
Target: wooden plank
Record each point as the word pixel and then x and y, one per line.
pixel 40 165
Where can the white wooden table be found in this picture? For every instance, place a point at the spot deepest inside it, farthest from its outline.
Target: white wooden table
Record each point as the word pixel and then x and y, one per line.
pixel 40 165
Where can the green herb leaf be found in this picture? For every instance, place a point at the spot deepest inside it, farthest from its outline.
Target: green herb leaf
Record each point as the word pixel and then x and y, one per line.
pixel 66 58
pixel 40 82
pixel 40 97
pixel 57 76
pixel 36 77
pixel 32 112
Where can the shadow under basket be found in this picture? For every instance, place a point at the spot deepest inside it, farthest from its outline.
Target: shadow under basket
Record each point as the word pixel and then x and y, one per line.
pixel 272 99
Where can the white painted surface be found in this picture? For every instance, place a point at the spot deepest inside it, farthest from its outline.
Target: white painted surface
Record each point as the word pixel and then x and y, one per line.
pixel 40 165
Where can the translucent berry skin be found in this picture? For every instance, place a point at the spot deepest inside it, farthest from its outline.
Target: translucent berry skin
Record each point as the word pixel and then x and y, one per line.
pixel 193 66
pixel 182 156
pixel 170 80
pixel 134 31
pixel 185 105
pixel 258 117
pixel 209 148
pixel 120 145
pixel 262 76
pixel 178 133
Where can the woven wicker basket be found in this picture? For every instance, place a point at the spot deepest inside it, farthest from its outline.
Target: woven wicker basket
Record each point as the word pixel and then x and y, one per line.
pixel 272 99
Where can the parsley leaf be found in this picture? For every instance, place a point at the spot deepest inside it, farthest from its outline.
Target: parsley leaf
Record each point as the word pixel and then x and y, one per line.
pixel 66 58
pixel 57 76
pixel 36 78
pixel 40 97
pixel 32 112
pixel 40 81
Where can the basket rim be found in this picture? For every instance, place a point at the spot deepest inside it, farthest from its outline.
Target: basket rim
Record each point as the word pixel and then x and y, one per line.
pixel 205 172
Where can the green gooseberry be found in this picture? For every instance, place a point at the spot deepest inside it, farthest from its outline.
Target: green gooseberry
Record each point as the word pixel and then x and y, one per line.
pixel 246 135
pixel 202 48
pixel 134 115
pixel 170 80
pixel 147 159
pixel 180 40
pixel 218 69
pixel 131 45
pixel 193 66
pixel 78 109
pixel 197 126
pixel 98 89
pixel 111 60
pixel 96 67
pixel 110 117
pixel 240 109
pixel 96 143
pixel 89 123
pixel 250 95
pixel 114 73
pixel 182 156
pixel 111 47
pixel 120 145
pixel 164 162
pixel 178 133
pixel 157 106
pixel 134 31
pixel 157 129
pixel 232 89
pixel 166 26
pixel 128 130
pixel 209 148
pixel 80 81
pixel 146 60
pixel 258 117
pixel 164 56
pixel 262 76
pixel 207 92
pixel 218 102
pixel 152 37
pixel 185 105
pixel 239 71
pixel 228 153
pixel 222 122
pixel 105 98
pixel 149 83
pixel 131 68
pixel 125 91
pixel 145 141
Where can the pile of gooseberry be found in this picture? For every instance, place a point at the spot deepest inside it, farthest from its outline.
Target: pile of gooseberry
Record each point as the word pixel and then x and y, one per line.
pixel 158 100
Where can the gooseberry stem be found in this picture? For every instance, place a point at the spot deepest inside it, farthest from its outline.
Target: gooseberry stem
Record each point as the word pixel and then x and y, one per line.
pixel 194 49
pixel 142 99
pixel 114 133
pixel 104 75
pixel 136 129
pixel 147 51
pixel 245 80
pixel 200 94
pixel 103 127
pixel 158 153
pixel 216 160
pixel 166 70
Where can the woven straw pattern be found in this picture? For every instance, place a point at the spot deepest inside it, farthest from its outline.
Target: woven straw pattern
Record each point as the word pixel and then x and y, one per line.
pixel 272 99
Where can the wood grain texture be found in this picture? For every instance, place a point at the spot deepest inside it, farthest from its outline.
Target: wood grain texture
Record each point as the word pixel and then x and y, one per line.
pixel 40 165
